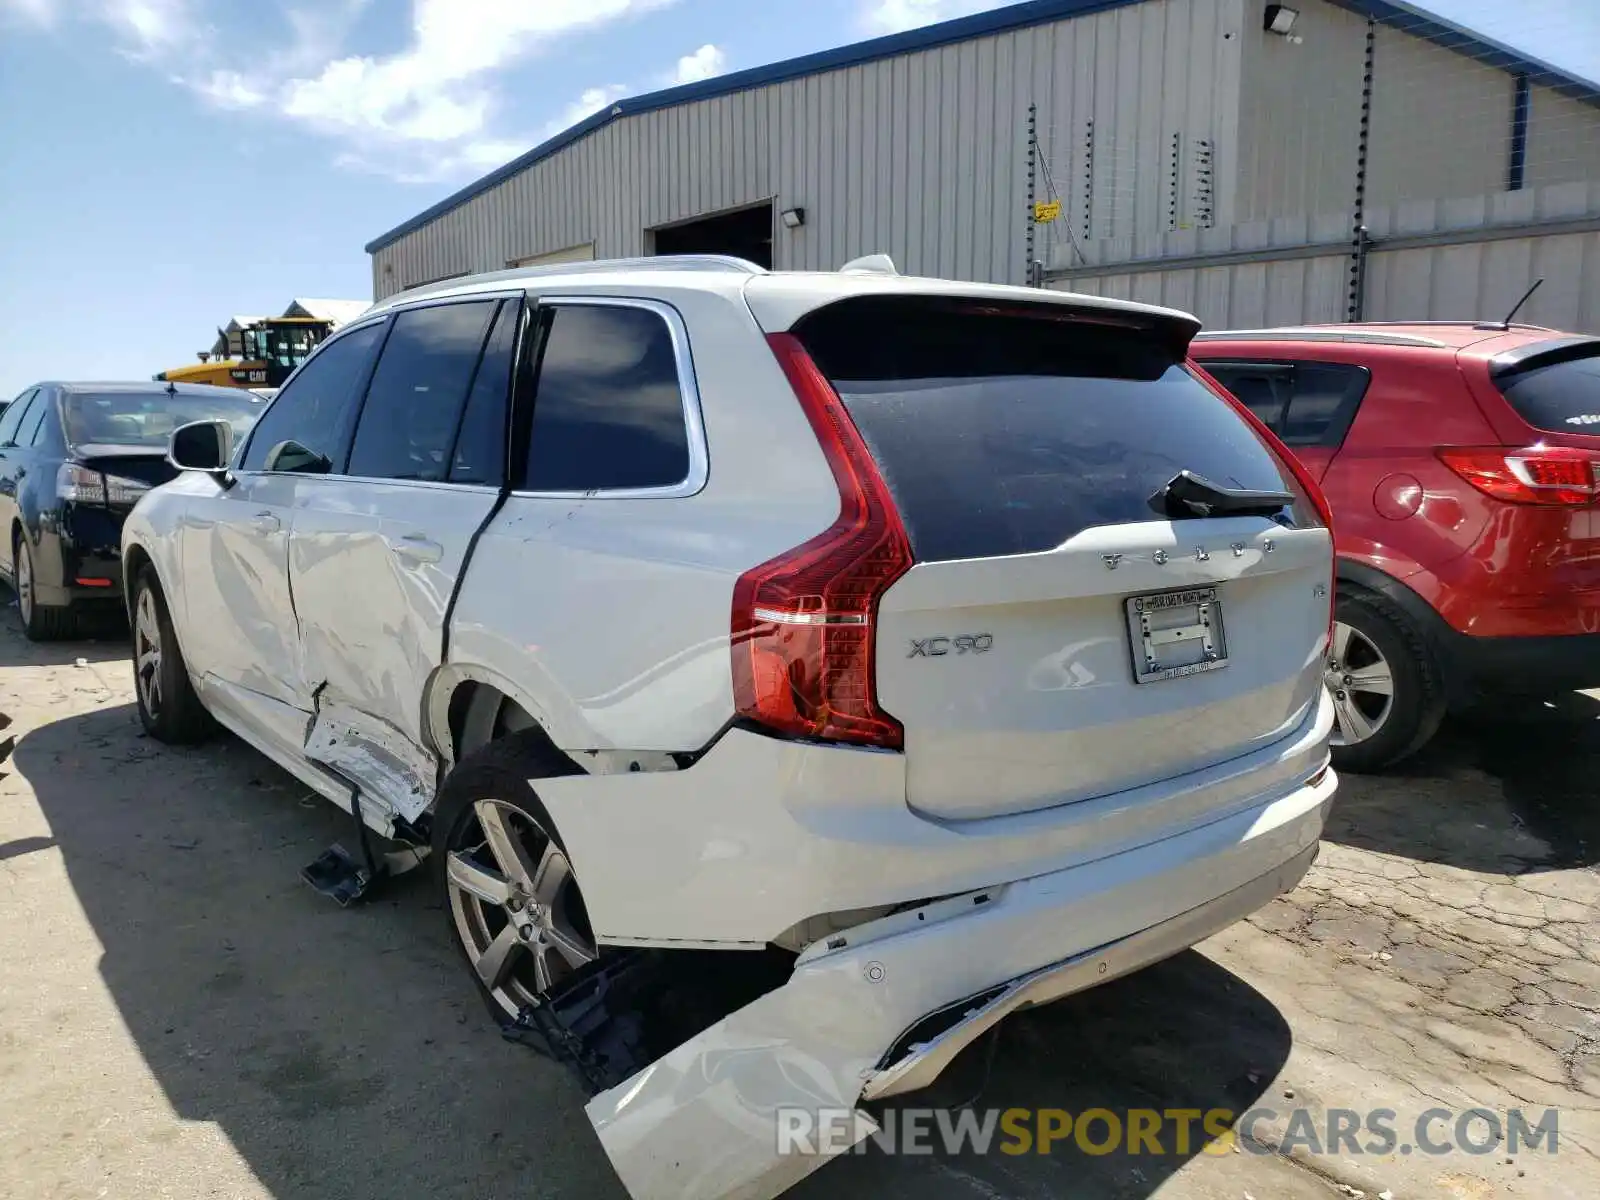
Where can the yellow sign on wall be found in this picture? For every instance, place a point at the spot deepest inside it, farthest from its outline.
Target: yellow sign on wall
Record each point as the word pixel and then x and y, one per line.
pixel 1046 211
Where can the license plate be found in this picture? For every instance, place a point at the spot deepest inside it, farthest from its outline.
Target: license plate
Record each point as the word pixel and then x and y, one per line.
pixel 1174 634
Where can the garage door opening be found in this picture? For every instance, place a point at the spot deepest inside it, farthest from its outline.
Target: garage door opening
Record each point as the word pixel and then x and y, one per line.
pixel 744 233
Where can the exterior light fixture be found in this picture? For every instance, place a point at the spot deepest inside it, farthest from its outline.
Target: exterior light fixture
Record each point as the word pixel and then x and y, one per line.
pixel 793 218
pixel 1279 18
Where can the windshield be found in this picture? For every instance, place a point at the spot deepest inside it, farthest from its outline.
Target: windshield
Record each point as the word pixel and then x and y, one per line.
pixel 148 418
pixel 288 345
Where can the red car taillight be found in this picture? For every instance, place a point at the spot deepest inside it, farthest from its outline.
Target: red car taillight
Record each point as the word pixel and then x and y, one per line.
pixel 1305 483
pixel 1556 475
pixel 803 622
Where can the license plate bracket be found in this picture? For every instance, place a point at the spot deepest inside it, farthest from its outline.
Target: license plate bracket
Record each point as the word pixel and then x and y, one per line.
pixel 1176 633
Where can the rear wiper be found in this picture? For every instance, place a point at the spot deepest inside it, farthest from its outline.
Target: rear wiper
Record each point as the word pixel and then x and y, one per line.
pixel 1189 495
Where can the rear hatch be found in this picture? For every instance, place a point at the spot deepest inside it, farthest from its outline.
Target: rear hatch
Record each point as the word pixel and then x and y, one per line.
pixel 1065 632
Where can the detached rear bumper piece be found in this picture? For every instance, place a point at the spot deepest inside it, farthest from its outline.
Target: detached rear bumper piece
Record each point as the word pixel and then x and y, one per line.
pixel 882 1008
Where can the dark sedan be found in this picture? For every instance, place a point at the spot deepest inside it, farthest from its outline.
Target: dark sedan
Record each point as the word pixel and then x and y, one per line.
pixel 74 460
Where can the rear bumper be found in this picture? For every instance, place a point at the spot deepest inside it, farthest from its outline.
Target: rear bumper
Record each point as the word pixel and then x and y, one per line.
pixel 765 840
pixel 882 1008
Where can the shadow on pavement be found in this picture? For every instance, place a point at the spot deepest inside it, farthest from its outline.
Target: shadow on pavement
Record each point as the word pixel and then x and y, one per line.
pixel 1511 790
pixel 1183 1034
pixel 344 1053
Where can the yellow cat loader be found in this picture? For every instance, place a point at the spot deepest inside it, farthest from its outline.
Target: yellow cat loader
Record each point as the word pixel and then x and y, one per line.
pixel 270 349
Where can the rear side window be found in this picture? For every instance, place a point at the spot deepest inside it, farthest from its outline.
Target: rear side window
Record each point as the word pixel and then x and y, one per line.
pixel 408 425
pixel 12 417
pixel 1304 403
pixel 1008 431
pixel 1561 397
pixel 608 411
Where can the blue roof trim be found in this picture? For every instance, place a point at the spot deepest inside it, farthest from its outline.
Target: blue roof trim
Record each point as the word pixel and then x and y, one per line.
pixel 1000 20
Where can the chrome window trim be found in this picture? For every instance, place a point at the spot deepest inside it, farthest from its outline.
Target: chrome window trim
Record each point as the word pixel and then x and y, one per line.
pixel 688 390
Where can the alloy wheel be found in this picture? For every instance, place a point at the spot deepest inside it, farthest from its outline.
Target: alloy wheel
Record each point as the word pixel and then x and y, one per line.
pixel 24 581
pixel 147 653
pixel 1361 681
pixel 516 905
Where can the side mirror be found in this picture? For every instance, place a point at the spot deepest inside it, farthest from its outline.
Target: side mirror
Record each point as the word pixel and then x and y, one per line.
pixel 292 456
pixel 201 446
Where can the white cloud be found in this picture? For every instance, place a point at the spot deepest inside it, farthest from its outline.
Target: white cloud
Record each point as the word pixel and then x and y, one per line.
pixel 38 12
pixel 145 28
pixel 426 112
pixel 586 105
pixel 436 88
pixel 227 89
pixel 895 16
pixel 704 63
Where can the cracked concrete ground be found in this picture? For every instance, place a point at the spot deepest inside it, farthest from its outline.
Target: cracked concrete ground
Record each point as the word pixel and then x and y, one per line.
pixel 181 1017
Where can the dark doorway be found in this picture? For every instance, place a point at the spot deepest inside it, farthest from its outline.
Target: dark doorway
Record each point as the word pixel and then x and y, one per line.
pixel 745 233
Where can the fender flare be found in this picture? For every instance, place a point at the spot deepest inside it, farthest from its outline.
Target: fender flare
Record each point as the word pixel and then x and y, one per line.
pixel 1354 576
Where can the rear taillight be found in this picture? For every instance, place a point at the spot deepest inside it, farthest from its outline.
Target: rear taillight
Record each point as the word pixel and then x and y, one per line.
pixel 1306 485
pixel 803 622
pixel 1556 475
pixel 79 483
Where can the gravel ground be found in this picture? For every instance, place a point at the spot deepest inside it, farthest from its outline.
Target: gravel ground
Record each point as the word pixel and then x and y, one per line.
pixel 181 1017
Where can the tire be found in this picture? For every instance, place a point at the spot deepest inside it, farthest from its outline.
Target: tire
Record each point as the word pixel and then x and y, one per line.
pixel 1368 625
pixel 169 710
pixel 525 928
pixel 39 624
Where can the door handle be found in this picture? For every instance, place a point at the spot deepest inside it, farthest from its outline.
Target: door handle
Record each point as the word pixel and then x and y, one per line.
pixel 416 549
pixel 266 522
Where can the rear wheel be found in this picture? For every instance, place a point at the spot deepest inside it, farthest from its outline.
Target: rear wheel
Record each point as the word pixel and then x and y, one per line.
pixel 514 905
pixel 39 624
pixel 169 710
pixel 1387 695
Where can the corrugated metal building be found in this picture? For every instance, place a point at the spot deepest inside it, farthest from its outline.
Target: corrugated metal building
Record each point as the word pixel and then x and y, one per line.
pixel 1180 137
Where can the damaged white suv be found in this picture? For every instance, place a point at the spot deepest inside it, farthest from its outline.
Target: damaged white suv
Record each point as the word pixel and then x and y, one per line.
pixel 791 675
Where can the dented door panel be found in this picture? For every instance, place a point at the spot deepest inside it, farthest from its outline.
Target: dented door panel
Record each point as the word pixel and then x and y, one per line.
pixel 239 620
pixel 373 565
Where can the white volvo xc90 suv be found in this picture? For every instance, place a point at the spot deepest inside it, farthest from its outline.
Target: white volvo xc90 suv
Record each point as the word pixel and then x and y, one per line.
pixel 790 675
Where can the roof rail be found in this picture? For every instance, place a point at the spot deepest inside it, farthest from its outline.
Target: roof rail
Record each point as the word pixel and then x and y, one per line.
pixel 1313 333
pixel 660 262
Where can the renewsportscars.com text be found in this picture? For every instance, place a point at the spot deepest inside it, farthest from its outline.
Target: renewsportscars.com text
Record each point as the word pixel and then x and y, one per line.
pixel 1171 1131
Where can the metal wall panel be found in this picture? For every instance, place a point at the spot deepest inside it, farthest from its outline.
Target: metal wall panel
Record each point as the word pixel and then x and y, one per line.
pixel 1563 139
pixel 923 155
pixel 1441 122
pixel 1300 123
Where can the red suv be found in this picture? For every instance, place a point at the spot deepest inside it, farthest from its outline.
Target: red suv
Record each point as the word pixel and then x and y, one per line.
pixel 1462 463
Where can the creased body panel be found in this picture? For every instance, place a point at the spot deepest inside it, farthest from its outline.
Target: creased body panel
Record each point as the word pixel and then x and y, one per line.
pixel 796 830
pixel 702 1122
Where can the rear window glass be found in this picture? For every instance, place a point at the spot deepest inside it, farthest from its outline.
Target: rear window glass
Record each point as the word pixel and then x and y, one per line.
pixel 148 418
pixel 1009 431
pixel 1563 397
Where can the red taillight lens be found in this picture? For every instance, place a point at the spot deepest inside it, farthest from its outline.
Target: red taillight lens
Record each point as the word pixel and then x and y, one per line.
pixel 1537 475
pixel 803 622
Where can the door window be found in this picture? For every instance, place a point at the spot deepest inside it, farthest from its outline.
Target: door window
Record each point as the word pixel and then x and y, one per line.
pixel 1304 403
pixel 33 424
pixel 419 390
pixel 12 417
pixel 305 426
pixel 608 412
pixel 480 452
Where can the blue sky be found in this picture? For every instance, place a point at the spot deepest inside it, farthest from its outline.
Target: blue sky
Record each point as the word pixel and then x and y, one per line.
pixel 166 163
